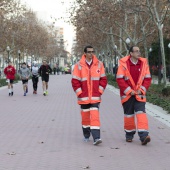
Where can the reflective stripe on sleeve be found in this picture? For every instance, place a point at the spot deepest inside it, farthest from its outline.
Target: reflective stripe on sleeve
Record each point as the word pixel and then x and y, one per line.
pixel 83 79
pixel 95 78
pixel 75 77
pixel 78 90
pixel 143 88
pixel 123 97
pixel 119 76
pixel 103 75
pixel 101 88
pixel 147 76
pixel 99 65
pixel 79 66
pixel 127 89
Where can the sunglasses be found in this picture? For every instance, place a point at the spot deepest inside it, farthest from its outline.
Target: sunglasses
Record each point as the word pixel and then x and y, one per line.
pixel 90 52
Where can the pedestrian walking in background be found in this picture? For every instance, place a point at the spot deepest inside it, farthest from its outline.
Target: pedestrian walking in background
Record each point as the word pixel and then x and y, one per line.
pixel 89 81
pixel 57 69
pixel 9 72
pixel 24 76
pixel 134 79
pixel 54 69
pixel 44 72
pixel 35 74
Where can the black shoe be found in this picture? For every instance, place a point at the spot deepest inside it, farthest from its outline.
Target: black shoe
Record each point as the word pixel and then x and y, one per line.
pixel 9 94
pixel 128 140
pixel 97 141
pixel 44 94
pixel 146 140
pixel 12 93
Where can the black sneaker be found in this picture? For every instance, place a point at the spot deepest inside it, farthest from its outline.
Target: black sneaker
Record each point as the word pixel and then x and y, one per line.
pixel 97 141
pixel 9 94
pixel 146 140
pixel 128 140
pixel 12 93
pixel 44 94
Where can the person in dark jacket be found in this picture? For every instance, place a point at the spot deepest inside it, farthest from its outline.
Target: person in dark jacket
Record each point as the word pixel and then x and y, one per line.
pixel 44 72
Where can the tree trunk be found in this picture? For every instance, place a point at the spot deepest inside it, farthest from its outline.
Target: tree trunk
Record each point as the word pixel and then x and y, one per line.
pixel 162 53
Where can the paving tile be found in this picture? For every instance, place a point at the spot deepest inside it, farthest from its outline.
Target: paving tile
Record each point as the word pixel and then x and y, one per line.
pixel 44 133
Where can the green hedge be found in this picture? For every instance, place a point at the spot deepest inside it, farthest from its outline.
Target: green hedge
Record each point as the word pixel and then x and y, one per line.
pixel 156 94
pixel 4 83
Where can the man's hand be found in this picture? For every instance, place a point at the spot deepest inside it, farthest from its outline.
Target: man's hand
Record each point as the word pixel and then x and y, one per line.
pixel 138 92
pixel 132 93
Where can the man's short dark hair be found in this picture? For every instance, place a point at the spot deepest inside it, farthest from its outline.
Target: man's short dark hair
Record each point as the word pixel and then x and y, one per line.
pixel 24 63
pixel 88 46
pixel 131 48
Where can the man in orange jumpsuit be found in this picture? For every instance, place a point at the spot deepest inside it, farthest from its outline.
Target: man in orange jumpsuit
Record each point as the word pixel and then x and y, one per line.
pixel 134 79
pixel 89 81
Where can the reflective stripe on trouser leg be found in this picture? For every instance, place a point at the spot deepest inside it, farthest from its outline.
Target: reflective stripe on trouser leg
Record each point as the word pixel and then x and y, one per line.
pixel 129 118
pixel 129 123
pixel 85 114
pixel 95 121
pixel 142 120
pixel 142 124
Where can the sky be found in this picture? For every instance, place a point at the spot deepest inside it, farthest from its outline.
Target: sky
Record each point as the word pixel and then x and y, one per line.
pixel 49 10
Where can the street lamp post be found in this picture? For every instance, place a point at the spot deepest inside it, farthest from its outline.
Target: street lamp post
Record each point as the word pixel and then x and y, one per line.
pixel 127 42
pixel 115 68
pixel 8 50
pixel 19 54
pixel 150 50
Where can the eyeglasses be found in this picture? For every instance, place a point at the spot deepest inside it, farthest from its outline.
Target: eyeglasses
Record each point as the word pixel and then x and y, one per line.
pixel 90 52
pixel 137 52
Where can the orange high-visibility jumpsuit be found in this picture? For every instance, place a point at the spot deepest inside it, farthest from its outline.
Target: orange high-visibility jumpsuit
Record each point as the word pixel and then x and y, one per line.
pixel 89 84
pixel 134 105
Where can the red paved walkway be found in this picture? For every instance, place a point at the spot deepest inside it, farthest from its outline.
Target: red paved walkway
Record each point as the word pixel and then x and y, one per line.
pixel 44 133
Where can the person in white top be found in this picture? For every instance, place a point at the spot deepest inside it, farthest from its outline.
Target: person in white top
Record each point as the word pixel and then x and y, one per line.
pixel 35 74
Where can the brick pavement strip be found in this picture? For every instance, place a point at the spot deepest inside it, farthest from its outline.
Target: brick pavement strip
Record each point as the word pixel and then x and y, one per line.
pixel 44 133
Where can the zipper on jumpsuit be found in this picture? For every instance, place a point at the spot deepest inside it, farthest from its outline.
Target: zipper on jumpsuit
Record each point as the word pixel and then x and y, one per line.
pixel 137 85
pixel 90 84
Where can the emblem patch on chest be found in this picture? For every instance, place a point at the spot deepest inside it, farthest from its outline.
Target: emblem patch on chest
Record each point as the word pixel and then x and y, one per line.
pixel 98 71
